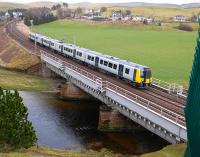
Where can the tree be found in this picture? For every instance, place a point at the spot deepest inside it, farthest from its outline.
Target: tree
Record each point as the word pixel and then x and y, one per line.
pixel 79 11
pixel 103 9
pixel 27 21
pixel 60 13
pixel 65 5
pixel 15 129
pixel 128 12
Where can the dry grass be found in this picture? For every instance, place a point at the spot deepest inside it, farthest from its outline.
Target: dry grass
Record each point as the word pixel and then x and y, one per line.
pixel 14 56
pixel 47 152
pixel 20 81
pixel 169 151
pixel 161 13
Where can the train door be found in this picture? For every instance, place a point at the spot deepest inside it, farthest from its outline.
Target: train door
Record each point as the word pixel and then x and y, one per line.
pixel 61 48
pixel 74 53
pixel 96 61
pixel 121 68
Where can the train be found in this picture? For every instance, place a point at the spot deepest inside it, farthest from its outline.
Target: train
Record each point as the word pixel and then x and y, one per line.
pixel 137 75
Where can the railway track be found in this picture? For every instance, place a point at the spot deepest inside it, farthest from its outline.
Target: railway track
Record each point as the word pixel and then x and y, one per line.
pixel 154 95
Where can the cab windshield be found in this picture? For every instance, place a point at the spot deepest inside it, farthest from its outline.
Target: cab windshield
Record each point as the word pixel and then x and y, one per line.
pixel 146 73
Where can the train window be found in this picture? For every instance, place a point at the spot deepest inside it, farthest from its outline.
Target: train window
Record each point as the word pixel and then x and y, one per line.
pixel 101 61
pixel 110 65
pixel 89 57
pixel 92 59
pixel 127 71
pixel 105 63
pixel 115 66
pixel 77 53
pixel 80 54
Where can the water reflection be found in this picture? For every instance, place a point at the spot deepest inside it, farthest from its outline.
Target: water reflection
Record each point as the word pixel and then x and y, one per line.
pixel 73 125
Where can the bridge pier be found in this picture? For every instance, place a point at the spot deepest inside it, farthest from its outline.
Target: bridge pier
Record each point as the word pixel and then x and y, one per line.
pixel 110 120
pixel 46 72
pixel 69 91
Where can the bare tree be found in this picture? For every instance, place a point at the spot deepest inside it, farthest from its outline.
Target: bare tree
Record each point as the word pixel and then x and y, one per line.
pixel 78 11
pixel 103 9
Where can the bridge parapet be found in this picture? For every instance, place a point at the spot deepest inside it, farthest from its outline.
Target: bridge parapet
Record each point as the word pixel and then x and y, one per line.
pixel 171 88
pixel 153 117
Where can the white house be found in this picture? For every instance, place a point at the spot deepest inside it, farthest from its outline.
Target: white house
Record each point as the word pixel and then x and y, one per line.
pixel 7 15
pixel 139 18
pixel 179 18
pixel 117 15
pixel 127 17
pixel 150 19
pixel 2 16
pixel 17 14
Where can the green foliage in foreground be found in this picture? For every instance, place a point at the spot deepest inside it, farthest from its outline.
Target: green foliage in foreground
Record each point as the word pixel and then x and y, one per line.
pixel 169 52
pixel 15 129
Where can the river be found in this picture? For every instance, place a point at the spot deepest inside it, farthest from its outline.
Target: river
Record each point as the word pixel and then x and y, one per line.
pixel 73 125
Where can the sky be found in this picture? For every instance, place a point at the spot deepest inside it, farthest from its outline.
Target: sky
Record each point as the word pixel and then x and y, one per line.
pixel 110 1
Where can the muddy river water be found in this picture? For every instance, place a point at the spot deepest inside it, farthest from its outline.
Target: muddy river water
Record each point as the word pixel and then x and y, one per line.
pixel 73 125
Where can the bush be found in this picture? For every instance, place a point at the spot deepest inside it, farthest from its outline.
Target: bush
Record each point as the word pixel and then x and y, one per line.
pixel 15 129
pixel 185 27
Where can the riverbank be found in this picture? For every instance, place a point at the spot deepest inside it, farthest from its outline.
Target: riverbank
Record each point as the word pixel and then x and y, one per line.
pixel 23 82
pixel 169 151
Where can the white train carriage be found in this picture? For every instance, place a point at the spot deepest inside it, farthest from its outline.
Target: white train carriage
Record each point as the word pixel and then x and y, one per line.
pixel 32 36
pixel 46 41
pixel 81 54
pixel 39 38
pixel 127 70
pixel 69 50
pixel 56 45
pixel 108 64
pixel 92 57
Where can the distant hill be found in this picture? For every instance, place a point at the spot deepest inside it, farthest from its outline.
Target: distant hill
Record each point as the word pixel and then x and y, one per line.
pixel 133 4
pixel 5 6
pixel 40 4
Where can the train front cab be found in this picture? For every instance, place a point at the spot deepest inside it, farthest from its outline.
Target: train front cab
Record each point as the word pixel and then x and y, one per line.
pixel 143 77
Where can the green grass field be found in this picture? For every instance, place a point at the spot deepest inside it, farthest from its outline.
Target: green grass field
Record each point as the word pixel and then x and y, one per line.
pixel 168 52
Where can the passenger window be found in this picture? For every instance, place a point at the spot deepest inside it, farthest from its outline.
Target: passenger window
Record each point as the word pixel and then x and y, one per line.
pixel 89 57
pixel 115 66
pixel 80 54
pixel 127 71
pixel 110 65
pixel 92 59
pixel 101 61
pixel 105 63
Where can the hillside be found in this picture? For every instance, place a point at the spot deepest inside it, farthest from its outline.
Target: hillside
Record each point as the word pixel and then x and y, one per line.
pixel 133 4
pixel 158 12
pixel 5 6
pixel 40 4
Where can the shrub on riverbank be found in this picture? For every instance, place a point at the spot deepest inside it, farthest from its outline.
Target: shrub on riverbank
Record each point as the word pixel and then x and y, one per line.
pixel 15 129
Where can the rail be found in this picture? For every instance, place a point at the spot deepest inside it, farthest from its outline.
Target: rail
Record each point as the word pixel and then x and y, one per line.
pixel 170 87
pixel 103 86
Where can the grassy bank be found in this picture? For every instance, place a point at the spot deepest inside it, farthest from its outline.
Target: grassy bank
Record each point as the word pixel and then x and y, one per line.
pixel 168 52
pixel 21 81
pixel 169 151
